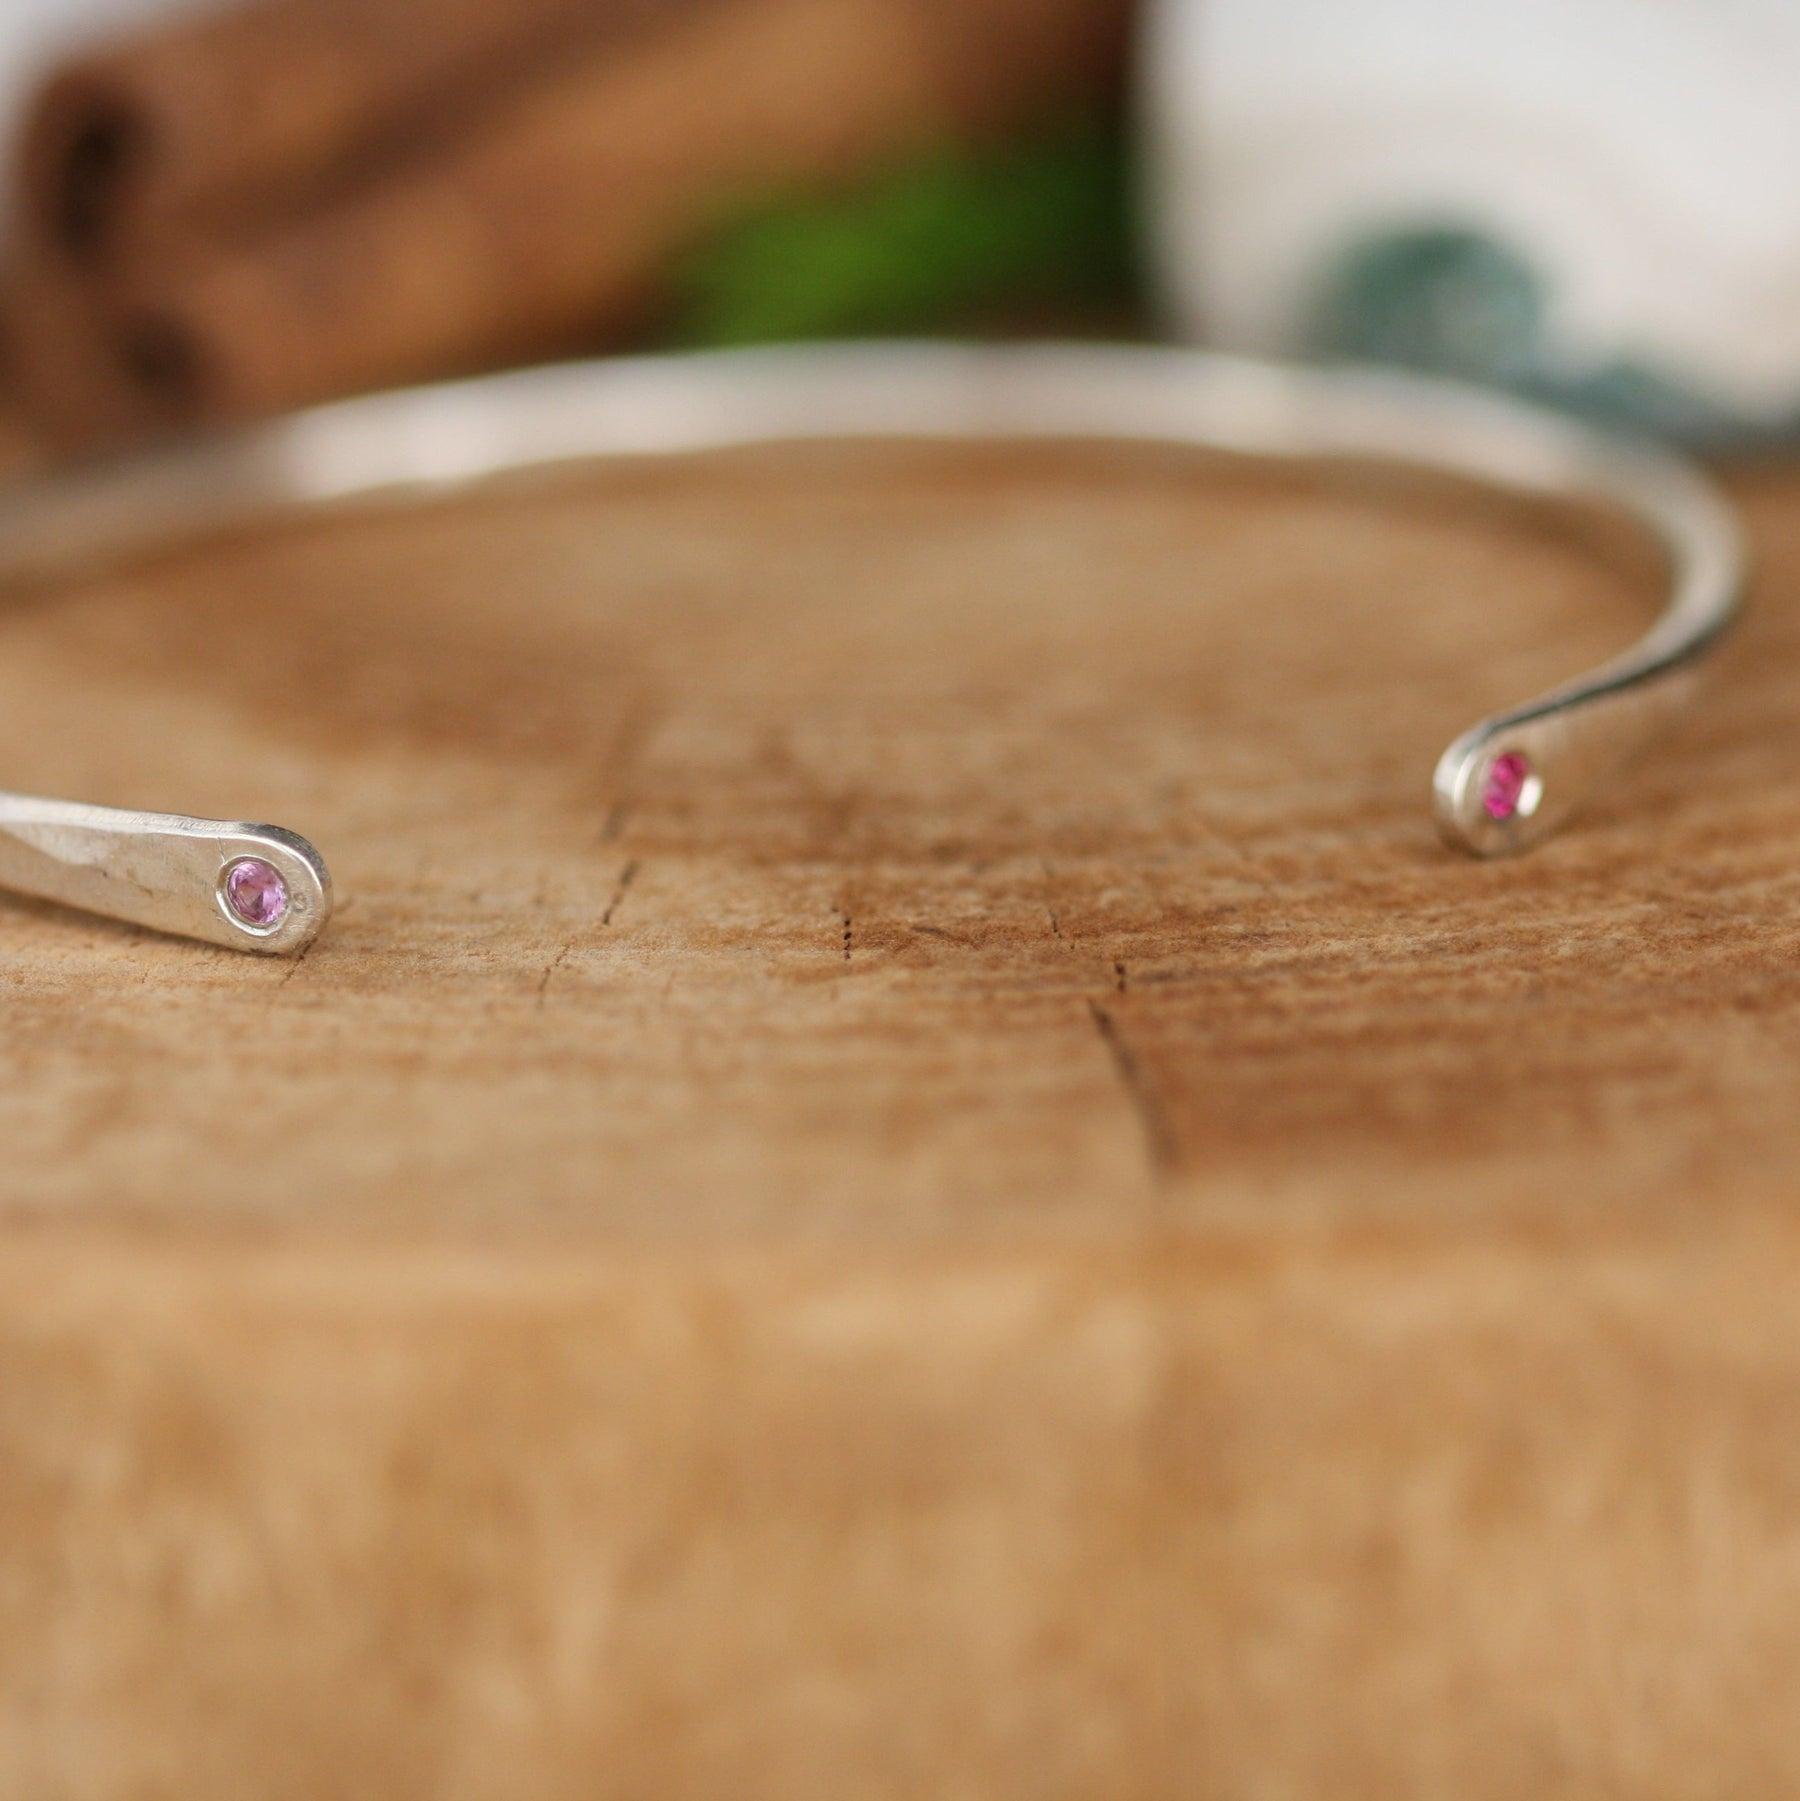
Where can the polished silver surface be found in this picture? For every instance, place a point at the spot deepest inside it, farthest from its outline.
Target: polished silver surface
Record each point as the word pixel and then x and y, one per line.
pixel 161 870
pixel 164 870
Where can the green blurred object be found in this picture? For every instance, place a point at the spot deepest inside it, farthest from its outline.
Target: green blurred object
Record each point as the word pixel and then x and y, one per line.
pixel 934 242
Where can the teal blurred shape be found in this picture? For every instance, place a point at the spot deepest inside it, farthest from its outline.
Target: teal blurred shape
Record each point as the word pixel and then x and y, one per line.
pixel 1439 297
pixel 1453 300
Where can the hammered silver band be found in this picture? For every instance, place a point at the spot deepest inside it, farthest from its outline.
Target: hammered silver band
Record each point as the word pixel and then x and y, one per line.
pixel 1500 786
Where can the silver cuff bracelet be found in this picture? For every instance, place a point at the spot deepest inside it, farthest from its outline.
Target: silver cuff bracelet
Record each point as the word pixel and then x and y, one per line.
pixel 1501 786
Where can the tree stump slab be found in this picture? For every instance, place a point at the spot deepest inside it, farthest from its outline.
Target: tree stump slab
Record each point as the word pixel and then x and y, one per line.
pixel 906 1171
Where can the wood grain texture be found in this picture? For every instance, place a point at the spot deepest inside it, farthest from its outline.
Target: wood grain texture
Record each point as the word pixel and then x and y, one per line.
pixel 906 1172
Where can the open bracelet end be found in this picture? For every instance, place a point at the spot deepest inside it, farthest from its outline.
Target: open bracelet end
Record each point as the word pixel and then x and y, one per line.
pixel 246 887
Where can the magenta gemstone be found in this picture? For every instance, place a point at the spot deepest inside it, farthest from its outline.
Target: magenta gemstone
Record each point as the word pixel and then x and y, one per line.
pixel 1506 779
pixel 255 892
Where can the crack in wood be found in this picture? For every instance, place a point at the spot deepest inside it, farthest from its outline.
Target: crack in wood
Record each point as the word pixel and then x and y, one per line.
pixel 551 968
pixel 293 968
pixel 1161 1144
pixel 627 876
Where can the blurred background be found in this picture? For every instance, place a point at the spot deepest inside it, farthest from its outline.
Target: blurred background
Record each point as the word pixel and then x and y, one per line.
pixel 220 211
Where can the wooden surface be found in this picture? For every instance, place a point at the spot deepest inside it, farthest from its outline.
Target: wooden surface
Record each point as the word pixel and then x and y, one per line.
pixel 906 1171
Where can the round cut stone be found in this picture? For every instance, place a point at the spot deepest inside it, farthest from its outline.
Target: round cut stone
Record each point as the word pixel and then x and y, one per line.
pixel 255 892
pixel 1506 779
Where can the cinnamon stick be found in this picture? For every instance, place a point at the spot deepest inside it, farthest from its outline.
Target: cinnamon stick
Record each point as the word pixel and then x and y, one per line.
pixel 549 220
pixel 59 343
pixel 249 109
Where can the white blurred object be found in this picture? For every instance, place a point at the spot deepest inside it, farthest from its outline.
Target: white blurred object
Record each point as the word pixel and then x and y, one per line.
pixel 34 32
pixel 1638 158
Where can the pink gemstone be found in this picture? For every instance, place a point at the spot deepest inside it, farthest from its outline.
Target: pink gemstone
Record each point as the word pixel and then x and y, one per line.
pixel 1506 779
pixel 255 892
